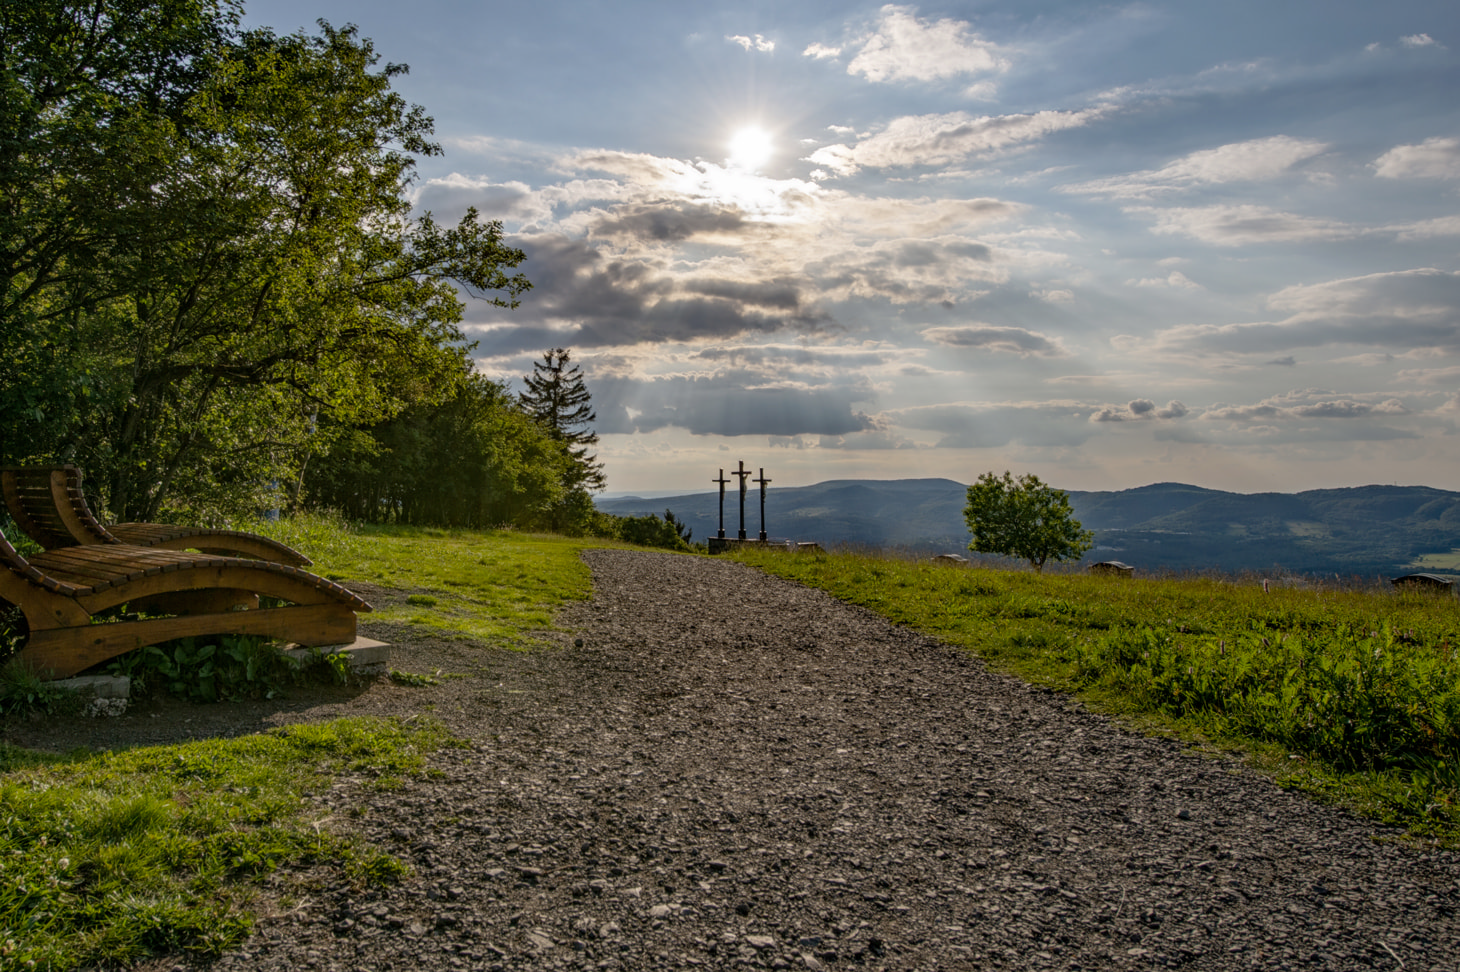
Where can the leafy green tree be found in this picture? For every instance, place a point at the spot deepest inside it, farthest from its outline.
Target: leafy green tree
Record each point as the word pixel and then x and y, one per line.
pixel 89 92
pixel 233 273
pixel 651 531
pixel 680 527
pixel 558 398
pixel 475 459
pixel 1024 518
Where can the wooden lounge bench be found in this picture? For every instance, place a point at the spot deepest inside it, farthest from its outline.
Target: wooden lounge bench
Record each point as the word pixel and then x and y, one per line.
pixel 61 592
pixel 47 504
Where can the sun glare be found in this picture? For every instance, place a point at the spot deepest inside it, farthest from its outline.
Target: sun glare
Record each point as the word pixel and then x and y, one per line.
pixel 750 148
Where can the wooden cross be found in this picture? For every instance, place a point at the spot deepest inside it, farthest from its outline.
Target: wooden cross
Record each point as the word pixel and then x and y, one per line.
pixel 722 481
pixel 763 484
pixel 742 472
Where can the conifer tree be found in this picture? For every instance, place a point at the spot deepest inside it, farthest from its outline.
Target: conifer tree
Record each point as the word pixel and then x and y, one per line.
pixel 558 399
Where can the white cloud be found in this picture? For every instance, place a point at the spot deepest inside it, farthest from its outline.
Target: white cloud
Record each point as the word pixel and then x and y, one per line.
pixel 1175 279
pixel 1011 340
pixel 1420 40
pixel 1257 160
pixel 1434 158
pixel 1427 229
pixel 1431 376
pixel 1305 404
pixel 1236 225
pixel 904 48
pixel 1052 295
pixel 756 43
pixel 1407 309
pixel 821 51
pixel 946 139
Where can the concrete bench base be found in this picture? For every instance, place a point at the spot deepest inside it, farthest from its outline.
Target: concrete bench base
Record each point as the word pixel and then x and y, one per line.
pixel 367 656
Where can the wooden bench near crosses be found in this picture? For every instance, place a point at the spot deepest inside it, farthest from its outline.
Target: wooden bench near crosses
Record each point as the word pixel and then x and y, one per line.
pixel 63 590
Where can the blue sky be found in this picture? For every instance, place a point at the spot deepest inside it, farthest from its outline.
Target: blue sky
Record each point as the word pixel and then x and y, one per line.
pixel 1110 244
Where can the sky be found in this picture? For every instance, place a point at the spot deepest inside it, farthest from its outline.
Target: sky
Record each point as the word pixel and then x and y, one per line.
pixel 1109 244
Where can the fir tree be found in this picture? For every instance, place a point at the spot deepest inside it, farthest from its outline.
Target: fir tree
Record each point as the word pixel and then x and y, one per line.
pixel 680 527
pixel 557 398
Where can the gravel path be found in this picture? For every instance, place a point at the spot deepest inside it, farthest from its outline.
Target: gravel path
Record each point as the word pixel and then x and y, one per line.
pixel 735 771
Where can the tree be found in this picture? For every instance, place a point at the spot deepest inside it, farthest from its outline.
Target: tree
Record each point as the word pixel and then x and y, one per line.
pixel 651 531
pixel 1024 518
pixel 680 527
pixel 475 460
pixel 220 269
pixel 557 397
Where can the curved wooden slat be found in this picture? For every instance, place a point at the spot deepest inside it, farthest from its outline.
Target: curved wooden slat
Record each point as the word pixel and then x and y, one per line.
pixel 62 652
pixel 48 504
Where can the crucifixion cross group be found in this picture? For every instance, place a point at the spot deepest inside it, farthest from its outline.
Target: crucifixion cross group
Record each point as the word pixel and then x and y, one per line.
pixel 743 473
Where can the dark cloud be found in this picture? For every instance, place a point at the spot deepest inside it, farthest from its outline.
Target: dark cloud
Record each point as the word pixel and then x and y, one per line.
pixel 925 254
pixel 1138 410
pixel 783 357
pixel 669 221
pixel 781 294
pixel 584 298
pixel 1014 340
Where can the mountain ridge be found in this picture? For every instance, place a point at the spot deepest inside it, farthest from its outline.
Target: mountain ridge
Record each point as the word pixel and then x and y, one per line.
pixel 1172 526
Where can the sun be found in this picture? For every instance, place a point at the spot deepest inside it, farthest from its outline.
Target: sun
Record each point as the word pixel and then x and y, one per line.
pixel 750 148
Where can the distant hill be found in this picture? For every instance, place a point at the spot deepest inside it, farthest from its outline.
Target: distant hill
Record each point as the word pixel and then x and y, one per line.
pixel 1365 529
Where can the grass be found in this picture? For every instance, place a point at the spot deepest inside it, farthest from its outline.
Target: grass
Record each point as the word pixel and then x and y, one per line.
pixel 497 586
pixel 107 858
pixel 1354 696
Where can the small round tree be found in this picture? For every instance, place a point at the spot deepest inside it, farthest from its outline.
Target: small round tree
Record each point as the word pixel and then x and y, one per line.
pixel 1024 518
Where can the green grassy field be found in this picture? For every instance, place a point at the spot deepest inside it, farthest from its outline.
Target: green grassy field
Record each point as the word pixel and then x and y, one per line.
pixel 1352 696
pixel 498 586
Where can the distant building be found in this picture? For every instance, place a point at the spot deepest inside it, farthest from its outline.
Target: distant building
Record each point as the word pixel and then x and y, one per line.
pixel 1113 568
pixel 1433 583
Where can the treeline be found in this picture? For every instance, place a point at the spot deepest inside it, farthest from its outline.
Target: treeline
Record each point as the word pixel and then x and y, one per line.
pixel 215 297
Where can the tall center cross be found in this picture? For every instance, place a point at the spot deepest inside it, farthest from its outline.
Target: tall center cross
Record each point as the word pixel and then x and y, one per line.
pixel 742 472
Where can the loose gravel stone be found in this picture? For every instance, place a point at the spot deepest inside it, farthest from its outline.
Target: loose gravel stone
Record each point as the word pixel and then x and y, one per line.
pixel 719 769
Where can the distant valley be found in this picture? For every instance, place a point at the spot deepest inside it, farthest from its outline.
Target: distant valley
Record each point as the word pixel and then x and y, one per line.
pixel 1171 526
